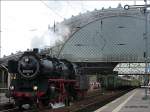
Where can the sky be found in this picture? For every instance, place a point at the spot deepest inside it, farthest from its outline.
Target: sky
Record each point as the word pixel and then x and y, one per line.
pixel 24 24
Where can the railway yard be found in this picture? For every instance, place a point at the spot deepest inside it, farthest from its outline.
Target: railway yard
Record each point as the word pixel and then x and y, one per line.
pixel 100 64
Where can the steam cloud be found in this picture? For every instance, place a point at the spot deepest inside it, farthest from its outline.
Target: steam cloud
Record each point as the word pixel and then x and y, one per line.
pixel 51 38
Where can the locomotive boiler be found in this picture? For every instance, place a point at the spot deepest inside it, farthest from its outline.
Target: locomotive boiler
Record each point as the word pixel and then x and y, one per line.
pixel 42 80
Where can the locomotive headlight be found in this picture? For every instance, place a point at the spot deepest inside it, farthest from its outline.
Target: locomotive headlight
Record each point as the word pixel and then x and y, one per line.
pixel 14 77
pixel 35 88
pixel 126 7
pixel 52 88
pixel 12 87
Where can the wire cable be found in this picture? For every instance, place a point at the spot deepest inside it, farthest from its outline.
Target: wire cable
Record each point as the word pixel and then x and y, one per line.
pixel 82 6
pixel 51 9
pixel 68 2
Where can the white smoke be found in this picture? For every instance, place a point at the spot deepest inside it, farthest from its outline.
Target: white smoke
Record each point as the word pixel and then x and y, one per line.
pixel 37 42
pixel 51 37
pixel 63 31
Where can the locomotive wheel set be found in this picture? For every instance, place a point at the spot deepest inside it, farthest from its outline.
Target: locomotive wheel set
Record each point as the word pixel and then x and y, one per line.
pixel 40 80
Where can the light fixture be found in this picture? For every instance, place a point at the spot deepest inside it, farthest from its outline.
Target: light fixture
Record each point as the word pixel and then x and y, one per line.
pixel 35 88
pixel 12 87
pixel 126 7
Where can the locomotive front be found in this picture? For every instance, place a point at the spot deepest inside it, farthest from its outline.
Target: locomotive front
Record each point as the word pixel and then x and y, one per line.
pixel 26 84
pixel 28 66
pixel 40 78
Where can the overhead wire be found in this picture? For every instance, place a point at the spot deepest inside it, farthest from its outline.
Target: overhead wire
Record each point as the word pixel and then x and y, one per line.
pixel 52 9
pixel 68 2
pixel 82 6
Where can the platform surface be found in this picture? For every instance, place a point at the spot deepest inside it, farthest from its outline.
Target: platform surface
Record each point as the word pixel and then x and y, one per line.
pixel 130 102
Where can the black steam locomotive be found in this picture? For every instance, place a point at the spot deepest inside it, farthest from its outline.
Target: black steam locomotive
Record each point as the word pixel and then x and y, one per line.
pixel 42 80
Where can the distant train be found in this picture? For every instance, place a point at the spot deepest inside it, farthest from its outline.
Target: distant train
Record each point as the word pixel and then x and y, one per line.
pixel 112 82
pixel 42 80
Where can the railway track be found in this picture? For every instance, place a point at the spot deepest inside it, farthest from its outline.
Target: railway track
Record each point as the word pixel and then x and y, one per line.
pixel 7 107
pixel 15 109
pixel 91 102
pixel 99 102
pixel 10 110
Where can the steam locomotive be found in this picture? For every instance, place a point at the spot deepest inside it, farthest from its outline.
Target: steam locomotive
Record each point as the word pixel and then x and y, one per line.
pixel 42 80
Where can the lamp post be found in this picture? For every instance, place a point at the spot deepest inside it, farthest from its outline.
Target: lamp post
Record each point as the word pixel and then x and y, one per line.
pixel 145 35
pixel 146 48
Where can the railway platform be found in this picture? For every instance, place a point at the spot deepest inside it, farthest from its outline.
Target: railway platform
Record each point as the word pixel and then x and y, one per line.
pixel 131 102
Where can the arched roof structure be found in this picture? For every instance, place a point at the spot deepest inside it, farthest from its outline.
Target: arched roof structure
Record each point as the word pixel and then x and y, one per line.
pixel 109 35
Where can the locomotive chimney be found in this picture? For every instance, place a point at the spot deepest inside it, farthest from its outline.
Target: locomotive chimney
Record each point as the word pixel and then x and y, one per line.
pixel 35 50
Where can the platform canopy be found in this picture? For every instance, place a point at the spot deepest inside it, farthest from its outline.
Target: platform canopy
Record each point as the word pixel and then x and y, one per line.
pixel 109 35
